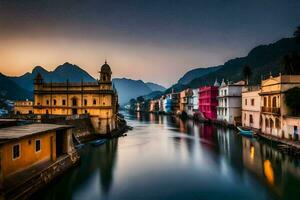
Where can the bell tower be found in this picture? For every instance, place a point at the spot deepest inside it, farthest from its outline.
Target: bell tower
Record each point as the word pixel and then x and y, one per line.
pixel 105 73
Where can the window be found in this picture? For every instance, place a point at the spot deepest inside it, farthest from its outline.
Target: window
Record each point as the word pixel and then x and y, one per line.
pixel 245 116
pixel 94 102
pixel 85 102
pixel 16 151
pixel 74 101
pixel 265 101
pixel 245 101
pixel 37 145
pixel 63 102
pixel 274 104
pixel 47 102
pixel 54 102
pixel 251 119
pixel 252 102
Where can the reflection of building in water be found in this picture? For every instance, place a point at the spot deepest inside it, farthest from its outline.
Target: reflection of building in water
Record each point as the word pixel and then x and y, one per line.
pixel 206 132
pixel 107 163
pixel 230 146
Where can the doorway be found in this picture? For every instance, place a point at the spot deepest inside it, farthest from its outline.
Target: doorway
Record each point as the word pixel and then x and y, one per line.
pixel 74 111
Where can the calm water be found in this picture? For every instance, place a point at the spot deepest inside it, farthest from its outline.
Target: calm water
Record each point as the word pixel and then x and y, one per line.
pixel 166 158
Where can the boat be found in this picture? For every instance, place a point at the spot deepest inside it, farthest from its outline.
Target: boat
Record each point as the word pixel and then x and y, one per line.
pixel 245 132
pixel 98 142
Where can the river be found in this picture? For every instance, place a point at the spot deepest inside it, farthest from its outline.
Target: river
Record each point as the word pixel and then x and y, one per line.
pixel 165 158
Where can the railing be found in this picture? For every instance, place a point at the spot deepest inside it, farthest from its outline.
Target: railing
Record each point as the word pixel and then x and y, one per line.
pixel 271 110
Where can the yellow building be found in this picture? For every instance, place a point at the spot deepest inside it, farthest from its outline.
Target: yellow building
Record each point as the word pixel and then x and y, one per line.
pixel 23 107
pixel 33 152
pixel 274 110
pixel 97 99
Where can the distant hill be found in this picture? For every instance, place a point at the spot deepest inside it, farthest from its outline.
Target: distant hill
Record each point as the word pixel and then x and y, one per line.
pixel 128 88
pixel 196 73
pixel 263 59
pixel 153 95
pixel 155 87
pixel 63 72
pixel 10 90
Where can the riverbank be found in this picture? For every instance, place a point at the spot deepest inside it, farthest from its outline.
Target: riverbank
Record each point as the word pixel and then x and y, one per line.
pixel 288 146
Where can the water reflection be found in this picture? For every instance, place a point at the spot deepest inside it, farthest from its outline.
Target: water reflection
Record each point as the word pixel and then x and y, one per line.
pixel 167 158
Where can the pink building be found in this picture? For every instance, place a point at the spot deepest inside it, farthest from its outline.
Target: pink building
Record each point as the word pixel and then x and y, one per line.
pixel 208 101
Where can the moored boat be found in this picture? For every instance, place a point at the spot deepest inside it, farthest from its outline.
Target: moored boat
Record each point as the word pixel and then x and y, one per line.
pixel 245 132
pixel 98 142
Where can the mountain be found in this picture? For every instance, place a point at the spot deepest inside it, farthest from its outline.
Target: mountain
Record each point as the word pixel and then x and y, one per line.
pixel 63 72
pixel 155 87
pixel 263 60
pixel 10 90
pixel 128 89
pixel 196 73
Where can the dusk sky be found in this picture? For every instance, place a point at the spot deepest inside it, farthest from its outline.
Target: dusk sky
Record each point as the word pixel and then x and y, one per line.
pixel 153 40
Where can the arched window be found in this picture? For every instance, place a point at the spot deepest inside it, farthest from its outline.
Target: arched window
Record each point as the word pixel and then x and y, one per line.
pixel 47 102
pixel 251 119
pixel 277 123
pixel 271 123
pixel 54 102
pixel 74 101
pixel 266 122
pixel 85 102
pixel 94 101
pixel 274 103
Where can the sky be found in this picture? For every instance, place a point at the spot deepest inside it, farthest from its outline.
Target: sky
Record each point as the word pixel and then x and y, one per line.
pixel 152 40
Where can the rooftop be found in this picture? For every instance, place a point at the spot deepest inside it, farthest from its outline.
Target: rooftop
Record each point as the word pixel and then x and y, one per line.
pixel 15 132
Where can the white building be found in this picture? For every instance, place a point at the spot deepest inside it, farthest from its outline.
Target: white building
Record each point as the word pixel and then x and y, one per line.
pixel 251 105
pixel 229 102
pixel 195 100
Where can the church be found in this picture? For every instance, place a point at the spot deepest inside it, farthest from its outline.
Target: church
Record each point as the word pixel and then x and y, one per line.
pixel 97 99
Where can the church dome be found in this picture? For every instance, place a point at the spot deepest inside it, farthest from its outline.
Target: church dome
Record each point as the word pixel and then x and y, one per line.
pixel 105 68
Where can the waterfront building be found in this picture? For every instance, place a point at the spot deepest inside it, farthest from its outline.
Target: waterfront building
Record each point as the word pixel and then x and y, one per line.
pixel 186 102
pixel 97 99
pixel 251 105
pixel 32 155
pixel 167 104
pixel 276 118
pixel 175 102
pixel 23 107
pixel 161 104
pixel 208 101
pixel 230 102
pixel 154 106
pixel 195 101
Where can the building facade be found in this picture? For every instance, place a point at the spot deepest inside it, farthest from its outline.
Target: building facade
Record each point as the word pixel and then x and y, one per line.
pixel 31 153
pixel 23 107
pixel 97 99
pixel 195 101
pixel 208 101
pixel 276 118
pixel 230 102
pixel 186 102
pixel 251 105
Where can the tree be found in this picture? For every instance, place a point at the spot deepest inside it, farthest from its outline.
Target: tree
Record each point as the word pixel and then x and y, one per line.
pixel 140 99
pixel 247 73
pixel 292 99
pixel 291 64
pixel 297 34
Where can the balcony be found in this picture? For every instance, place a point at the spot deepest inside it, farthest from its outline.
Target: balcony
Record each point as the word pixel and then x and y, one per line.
pixel 274 110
